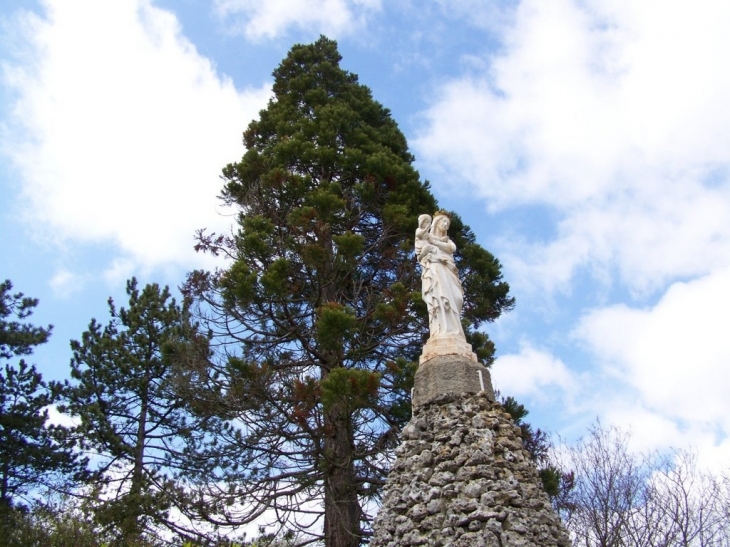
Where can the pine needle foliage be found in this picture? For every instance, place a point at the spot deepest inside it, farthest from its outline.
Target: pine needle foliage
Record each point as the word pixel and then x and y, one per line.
pixel 33 453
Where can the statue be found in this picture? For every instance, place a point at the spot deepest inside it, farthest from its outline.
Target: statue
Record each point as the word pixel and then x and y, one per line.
pixel 441 287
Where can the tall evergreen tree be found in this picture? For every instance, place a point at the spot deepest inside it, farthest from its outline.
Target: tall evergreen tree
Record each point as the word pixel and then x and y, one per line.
pixel 123 390
pixel 320 312
pixel 32 453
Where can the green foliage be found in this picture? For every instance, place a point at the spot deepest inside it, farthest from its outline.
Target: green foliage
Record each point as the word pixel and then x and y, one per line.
pixel 239 285
pixel 349 245
pixel 402 374
pixel 335 326
pixel 482 345
pixel 514 409
pixel 17 337
pixel 32 453
pixel 125 393
pixel 550 477
pixel 59 523
pixel 321 301
pixel 351 388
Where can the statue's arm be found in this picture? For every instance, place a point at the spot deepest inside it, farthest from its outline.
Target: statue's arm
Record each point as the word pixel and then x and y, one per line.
pixel 447 246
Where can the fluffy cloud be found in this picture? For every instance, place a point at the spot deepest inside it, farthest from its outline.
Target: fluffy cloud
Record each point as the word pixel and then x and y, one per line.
pixel 660 230
pixel 674 354
pixel 258 20
pixel 651 430
pixel 659 372
pixel 65 283
pixel 615 115
pixel 530 373
pixel 120 128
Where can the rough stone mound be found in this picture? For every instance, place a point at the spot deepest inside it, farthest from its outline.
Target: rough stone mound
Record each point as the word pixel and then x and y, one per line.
pixel 463 478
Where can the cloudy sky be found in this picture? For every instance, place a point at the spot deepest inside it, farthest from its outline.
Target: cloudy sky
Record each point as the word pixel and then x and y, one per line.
pixel 587 143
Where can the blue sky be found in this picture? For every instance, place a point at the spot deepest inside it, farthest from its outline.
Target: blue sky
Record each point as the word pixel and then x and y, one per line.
pixel 585 142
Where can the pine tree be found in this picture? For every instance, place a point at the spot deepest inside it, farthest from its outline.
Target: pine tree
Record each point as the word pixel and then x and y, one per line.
pixel 32 453
pixel 123 390
pixel 319 313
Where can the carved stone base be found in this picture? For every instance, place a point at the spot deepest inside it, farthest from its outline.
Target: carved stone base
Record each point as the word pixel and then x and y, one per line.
pixel 444 377
pixel 447 345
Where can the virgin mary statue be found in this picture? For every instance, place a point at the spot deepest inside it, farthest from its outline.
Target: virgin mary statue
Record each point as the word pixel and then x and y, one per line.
pixel 441 288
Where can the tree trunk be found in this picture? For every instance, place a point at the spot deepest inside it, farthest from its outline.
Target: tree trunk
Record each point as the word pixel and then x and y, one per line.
pixel 133 525
pixel 341 507
pixel 4 490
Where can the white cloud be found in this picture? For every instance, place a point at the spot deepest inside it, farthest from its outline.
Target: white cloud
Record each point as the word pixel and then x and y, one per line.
pixel 531 372
pixel 64 283
pixel 661 230
pixel 675 355
pixel 614 114
pixel 273 19
pixel 57 418
pixel 121 128
pixel 651 430
pixel 118 271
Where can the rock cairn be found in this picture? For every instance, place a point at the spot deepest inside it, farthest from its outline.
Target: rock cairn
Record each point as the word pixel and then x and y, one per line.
pixel 462 476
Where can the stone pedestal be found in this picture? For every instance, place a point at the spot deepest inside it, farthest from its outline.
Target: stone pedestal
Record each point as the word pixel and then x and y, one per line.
pixel 452 346
pixel 462 476
pixel 449 376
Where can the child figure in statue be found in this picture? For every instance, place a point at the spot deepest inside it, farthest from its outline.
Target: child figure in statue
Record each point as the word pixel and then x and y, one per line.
pixel 422 235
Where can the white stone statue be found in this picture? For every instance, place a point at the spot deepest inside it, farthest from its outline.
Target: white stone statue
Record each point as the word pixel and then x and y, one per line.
pixel 441 287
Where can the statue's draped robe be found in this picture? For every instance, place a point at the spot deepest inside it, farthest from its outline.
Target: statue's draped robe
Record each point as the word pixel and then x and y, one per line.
pixel 442 291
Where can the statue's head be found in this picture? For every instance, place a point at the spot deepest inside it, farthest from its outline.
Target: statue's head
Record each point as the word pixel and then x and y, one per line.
pixel 441 222
pixel 423 221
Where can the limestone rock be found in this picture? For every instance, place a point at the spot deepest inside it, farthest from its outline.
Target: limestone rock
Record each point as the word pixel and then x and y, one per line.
pixel 462 478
